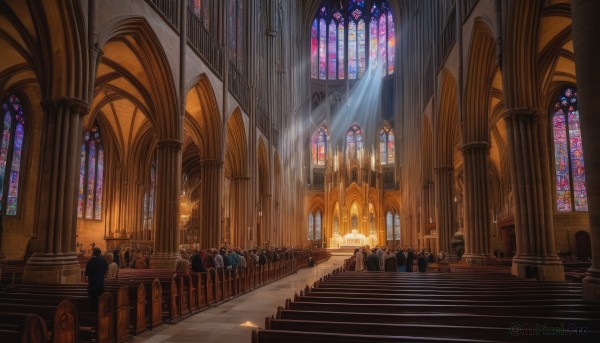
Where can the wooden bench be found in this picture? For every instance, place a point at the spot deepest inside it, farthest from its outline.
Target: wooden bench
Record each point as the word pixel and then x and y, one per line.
pixel 23 328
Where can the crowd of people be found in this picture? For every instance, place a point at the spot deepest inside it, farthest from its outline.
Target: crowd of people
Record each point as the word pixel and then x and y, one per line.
pixel 391 259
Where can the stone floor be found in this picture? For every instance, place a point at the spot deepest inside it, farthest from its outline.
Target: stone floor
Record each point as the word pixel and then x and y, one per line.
pixel 234 320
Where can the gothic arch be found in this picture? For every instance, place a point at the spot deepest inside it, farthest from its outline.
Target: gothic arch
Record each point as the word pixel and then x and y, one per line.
pixel 235 153
pixel 135 62
pixel 447 124
pixel 202 106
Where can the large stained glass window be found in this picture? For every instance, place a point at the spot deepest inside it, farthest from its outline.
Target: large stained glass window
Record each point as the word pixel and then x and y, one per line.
pixel 368 35
pixel 318 220
pixel 571 191
pixel 91 176
pixel 354 142
pixel 392 226
pixel 319 146
pixel 386 145
pixel 11 154
pixel 311 227
pixel 236 31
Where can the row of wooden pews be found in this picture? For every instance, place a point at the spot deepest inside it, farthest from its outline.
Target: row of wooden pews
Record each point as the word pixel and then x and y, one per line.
pixel 137 301
pixel 486 305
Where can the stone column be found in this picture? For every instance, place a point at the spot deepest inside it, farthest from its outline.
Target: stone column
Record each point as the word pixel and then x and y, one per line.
pixel 211 202
pixel 444 179
pixel 530 178
pixel 58 263
pixel 586 30
pixel 477 212
pixel 167 197
pixel 237 212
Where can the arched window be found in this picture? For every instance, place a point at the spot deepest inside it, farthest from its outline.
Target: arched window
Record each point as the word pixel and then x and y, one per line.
pixel 201 9
pixel 311 227
pixel 318 224
pixel 319 146
pixel 11 153
pixel 568 154
pixel 397 227
pixel 354 141
pixel 370 39
pixel 91 176
pixel 386 145
pixel 389 226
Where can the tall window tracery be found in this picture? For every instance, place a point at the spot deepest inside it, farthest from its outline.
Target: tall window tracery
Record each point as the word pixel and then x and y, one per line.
pixel 370 39
pixel 571 191
pixel 315 225
pixel 201 9
pixel 319 146
pixel 386 145
pixel 354 142
pixel 236 25
pixel 91 176
pixel 11 153
pixel 392 226
pixel 149 198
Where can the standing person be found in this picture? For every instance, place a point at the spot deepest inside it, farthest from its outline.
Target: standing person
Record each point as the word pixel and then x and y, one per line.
pixel 95 269
pixel 410 257
pixel 391 261
pixel 219 263
pixel 113 269
pixel 422 262
pixel 127 258
pixel 360 260
pixel 117 257
pixel 197 265
pixel 401 260
pixel 373 261
pixel 381 255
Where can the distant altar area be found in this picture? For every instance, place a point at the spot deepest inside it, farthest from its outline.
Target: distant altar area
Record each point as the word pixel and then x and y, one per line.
pixel 351 240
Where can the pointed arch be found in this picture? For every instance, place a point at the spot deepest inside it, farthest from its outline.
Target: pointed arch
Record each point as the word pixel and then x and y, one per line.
pixel 236 146
pixel 202 106
pixel 447 129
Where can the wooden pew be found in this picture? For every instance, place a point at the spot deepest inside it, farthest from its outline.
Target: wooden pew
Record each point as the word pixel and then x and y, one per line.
pixel 23 328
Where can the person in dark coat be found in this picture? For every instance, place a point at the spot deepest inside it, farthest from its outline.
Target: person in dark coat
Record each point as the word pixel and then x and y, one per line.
pixel 373 262
pixel 422 262
pixel 95 269
pixel 197 263
pixel 262 259
pixel 127 258
pixel 401 261
pixel 410 257
pixel 117 258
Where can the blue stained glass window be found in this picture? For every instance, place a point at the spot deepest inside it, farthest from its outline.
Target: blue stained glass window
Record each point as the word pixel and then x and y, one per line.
pixel 91 176
pixel 11 153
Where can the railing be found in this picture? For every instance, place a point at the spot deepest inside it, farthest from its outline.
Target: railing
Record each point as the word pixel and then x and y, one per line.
pixel 169 9
pixel 204 43
pixel 448 38
pixel 239 87
pixel 467 8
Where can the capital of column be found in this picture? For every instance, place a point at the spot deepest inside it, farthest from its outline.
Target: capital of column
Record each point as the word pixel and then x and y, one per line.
pixel 475 146
pixel 522 113
pixel 169 144
pixel 79 106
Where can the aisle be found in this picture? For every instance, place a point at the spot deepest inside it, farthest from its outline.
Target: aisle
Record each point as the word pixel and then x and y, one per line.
pixel 234 320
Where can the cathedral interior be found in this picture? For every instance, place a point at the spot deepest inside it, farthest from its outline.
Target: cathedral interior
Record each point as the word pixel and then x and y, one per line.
pixel 457 127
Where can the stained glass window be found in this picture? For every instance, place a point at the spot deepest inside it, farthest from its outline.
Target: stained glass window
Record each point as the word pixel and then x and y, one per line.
pixel 354 141
pixel 571 189
pixel 311 227
pixel 236 24
pixel 397 227
pixel 332 50
pixel 11 153
pixel 319 146
pixel 318 225
pixel 386 145
pixel 91 176
pixel 369 39
pixel 341 67
pixel 313 49
pixel 149 197
pixel 389 226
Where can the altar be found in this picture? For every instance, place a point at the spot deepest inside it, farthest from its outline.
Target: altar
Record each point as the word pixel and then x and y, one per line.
pixel 353 239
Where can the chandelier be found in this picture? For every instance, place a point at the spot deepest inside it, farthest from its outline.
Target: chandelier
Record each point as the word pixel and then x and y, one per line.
pixel 186 203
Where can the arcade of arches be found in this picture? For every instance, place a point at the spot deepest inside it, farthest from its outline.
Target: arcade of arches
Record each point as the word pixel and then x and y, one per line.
pixel 163 125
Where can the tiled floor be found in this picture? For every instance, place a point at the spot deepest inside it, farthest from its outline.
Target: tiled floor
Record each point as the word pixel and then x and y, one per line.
pixel 234 320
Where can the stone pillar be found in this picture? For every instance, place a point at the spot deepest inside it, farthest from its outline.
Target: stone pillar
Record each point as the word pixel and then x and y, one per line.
pixel 237 212
pixel 477 209
pixel 211 203
pixel 444 179
pixel 58 264
pixel 530 178
pixel 586 30
pixel 167 197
